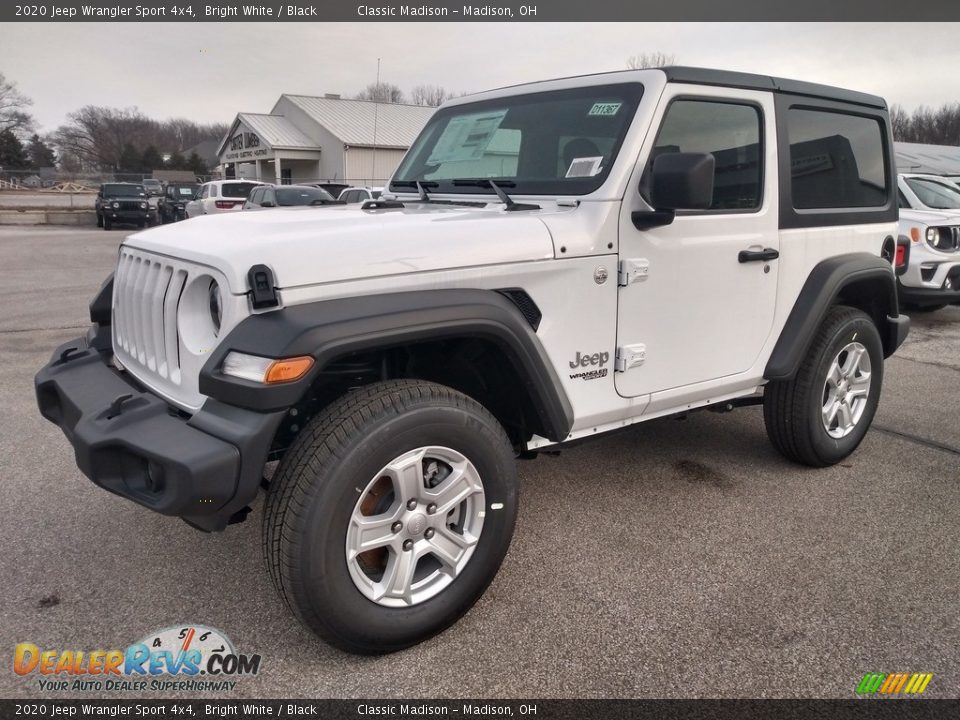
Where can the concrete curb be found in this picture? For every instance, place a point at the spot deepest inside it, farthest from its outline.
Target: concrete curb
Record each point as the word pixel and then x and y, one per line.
pixel 53 216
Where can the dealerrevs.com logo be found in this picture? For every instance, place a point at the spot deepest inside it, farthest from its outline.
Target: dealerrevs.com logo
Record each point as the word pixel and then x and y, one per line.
pixel 186 658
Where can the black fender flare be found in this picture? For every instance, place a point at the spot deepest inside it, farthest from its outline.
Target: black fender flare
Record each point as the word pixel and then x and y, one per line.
pixel 824 285
pixel 329 329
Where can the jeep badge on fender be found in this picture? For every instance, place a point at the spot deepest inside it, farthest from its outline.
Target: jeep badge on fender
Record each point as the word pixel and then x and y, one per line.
pixel 396 357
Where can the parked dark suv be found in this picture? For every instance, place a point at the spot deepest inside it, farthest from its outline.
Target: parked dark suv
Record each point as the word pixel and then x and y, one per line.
pixel 171 206
pixel 122 203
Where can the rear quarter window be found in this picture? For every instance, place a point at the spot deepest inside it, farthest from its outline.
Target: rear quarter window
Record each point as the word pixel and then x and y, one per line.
pixel 837 160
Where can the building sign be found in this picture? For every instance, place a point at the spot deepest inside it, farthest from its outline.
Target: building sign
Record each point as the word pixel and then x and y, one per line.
pixel 245 146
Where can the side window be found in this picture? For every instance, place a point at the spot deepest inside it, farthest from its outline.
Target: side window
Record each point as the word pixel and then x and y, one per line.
pixel 205 191
pixel 269 195
pixel 214 191
pixel 902 201
pixel 837 160
pixel 255 196
pixel 728 131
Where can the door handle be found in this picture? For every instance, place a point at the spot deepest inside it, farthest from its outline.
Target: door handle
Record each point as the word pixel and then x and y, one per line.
pixel 746 256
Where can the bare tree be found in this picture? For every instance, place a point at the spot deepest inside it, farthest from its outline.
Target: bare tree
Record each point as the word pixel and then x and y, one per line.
pixel 431 95
pixel 13 108
pixel 97 137
pixel 899 122
pixel 923 125
pixel 383 92
pixel 650 60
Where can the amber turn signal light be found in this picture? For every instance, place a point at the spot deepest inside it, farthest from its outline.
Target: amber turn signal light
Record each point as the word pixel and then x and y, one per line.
pixel 288 369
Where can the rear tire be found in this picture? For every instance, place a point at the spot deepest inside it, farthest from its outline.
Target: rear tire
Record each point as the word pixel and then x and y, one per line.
pixel 820 416
pixel 372 454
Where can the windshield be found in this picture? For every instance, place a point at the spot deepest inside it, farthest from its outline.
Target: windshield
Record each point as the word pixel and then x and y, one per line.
pixel 933 194
pixel 561 142
pixel 236 190
pixel 122 190
pixel 289 196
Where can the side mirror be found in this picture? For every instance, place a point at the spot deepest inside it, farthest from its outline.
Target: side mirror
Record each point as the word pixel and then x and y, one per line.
pixel 682 181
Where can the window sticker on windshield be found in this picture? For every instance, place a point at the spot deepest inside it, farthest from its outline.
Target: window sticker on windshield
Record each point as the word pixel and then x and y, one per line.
pixel 584 167
pixel 604 109
pixel 466 137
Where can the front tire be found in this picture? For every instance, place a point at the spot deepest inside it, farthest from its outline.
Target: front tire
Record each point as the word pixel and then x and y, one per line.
pixel 390 515
pixel 107 223
pixel 820 416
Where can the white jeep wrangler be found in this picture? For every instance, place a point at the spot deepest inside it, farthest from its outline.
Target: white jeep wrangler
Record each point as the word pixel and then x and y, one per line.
pixel 552 261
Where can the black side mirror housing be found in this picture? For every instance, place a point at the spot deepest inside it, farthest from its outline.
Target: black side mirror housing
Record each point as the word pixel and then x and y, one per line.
pixel 682 181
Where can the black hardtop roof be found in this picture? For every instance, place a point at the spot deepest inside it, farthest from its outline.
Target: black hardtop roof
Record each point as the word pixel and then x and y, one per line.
pixel 749 81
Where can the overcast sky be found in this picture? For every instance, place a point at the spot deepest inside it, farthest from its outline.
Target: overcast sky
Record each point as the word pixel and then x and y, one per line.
pixel 210 71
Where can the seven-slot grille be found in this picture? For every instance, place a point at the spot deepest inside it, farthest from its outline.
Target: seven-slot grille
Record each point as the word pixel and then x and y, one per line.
pixel 146 293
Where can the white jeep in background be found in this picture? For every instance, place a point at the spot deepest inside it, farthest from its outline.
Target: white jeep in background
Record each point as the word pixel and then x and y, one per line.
pixel 555 261
pixel 930 218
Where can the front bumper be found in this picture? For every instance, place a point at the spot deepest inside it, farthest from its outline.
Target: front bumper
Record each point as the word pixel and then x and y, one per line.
pixel 205 468
pixel 925 296
pixel 123 216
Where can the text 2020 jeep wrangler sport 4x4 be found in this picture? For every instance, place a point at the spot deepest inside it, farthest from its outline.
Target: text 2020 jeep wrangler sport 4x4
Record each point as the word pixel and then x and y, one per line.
pixel 558 260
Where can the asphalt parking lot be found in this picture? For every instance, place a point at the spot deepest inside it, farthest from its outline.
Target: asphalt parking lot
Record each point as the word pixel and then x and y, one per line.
pixel 674 559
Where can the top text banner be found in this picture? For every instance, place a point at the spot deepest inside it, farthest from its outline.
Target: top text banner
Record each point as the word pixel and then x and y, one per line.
pixel 495 11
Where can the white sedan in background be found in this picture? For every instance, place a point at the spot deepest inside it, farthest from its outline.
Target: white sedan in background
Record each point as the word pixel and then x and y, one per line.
pixel 220 196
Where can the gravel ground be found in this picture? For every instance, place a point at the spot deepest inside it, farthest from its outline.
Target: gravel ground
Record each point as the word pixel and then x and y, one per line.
pixel 674 559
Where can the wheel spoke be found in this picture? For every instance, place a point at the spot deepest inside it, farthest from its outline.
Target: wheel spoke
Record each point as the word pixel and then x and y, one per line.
pixel 860 385
pixel 456 488
pixel 835 375
pixel 407 475
pixel 830 411
pixel 448 547
pixel 398 577
pixel 845 416
pixel 852 364
pixel 373 532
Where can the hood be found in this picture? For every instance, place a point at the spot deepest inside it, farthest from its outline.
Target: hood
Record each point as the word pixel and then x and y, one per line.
pixel 307 246
pixel 930 217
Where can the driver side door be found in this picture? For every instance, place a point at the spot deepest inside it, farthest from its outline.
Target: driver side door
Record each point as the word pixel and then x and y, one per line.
pixel 694 310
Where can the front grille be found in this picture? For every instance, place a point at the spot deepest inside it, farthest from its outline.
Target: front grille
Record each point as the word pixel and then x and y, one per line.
pixel 145 298
pixel 949 240
pixel 129 205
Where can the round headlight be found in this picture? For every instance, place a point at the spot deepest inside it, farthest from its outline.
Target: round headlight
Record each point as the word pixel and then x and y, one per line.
pixel 216 305
pixel 116 205
pixel 933 235
pixel 143 205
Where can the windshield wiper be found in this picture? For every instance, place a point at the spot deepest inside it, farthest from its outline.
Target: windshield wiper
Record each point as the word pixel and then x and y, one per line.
pixel 511 205
pixel 419 185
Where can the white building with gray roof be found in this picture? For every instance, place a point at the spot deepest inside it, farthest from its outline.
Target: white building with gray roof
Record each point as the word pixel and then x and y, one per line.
pixel 329 139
